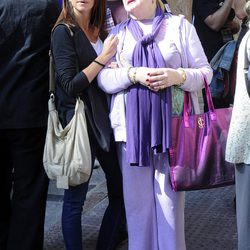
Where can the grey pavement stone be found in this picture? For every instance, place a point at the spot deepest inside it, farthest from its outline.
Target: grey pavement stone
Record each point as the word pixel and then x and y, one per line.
pixel 210 222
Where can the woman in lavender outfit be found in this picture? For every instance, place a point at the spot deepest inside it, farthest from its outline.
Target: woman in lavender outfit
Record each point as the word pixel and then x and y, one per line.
pixel 159 56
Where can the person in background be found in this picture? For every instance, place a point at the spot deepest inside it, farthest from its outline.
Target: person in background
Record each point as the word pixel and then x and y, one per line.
pixel 78 60
pixel 238 141
pixel 215 24
pixel 158 56
pixel 115 14
pixel 25 28
pixel 241 14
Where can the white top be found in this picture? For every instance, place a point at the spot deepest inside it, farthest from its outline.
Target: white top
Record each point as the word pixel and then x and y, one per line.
pixel 238 142
pixel 97 46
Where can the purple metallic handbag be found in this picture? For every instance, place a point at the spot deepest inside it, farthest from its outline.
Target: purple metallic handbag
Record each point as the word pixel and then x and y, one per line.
pixel 197 153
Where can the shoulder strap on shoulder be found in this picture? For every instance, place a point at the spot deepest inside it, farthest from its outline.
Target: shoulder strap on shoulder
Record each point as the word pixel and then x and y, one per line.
pixel 52 78
pixel 65 24
pixel 247 67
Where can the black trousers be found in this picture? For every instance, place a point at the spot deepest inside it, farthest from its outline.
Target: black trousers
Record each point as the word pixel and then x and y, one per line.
pixel 23 189
pixel 113 227
pixel 114 221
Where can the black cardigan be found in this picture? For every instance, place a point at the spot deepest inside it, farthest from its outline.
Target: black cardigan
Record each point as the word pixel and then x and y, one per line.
pixel 67 52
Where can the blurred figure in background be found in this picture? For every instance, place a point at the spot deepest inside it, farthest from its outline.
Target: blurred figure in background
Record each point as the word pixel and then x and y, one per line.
pixel 215 24
pixel 238 142
pixel 25 28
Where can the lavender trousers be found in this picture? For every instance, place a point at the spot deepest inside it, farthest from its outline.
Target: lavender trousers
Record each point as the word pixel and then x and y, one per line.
pixel 155 213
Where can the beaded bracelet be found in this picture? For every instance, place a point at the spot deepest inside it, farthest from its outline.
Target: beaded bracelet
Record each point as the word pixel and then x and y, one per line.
pixel 132 78
pixel 134 75
pixel 129 75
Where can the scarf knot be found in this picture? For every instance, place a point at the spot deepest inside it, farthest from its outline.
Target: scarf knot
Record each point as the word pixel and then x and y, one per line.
pixel 147 39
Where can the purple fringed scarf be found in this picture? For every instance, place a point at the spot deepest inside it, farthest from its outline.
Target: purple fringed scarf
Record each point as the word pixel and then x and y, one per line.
pixel 148 113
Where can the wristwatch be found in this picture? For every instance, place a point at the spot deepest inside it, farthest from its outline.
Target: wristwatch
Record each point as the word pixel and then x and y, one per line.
pixel 183 75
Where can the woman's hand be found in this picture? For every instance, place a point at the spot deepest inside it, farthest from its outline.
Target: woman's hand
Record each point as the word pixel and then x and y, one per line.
pixel 113 65
pixel 233 25
pixel 109 49
pixel 142 75
pixel 162 78
pixel 157 78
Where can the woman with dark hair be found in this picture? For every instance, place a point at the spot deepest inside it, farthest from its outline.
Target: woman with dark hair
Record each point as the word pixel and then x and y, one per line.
pixel 78 59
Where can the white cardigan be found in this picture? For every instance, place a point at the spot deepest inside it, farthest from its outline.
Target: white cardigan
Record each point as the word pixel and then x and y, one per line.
pixel 238 141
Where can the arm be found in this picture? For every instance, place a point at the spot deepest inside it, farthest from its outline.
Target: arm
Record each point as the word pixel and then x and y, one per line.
pixel 108 51
pixel 65 59
pixel 198 66
pixel 219 18
pixel 113 80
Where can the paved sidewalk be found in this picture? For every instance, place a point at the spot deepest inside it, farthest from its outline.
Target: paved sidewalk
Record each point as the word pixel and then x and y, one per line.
pixel 210 217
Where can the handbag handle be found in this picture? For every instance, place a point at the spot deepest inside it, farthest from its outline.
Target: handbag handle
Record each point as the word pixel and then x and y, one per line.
pixel 187 105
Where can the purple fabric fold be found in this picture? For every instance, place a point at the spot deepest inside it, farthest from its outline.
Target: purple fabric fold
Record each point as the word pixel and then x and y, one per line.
pixel 148 114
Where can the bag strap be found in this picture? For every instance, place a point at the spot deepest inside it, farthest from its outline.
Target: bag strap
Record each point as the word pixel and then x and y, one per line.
pixel 246 68
pixel 52 78
pixel 187 105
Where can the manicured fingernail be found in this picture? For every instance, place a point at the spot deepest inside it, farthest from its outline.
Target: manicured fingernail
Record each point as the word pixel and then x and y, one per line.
pixel 147 80
pixel 148 74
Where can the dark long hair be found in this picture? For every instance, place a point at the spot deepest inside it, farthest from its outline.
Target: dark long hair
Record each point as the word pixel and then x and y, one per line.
pixel 97 16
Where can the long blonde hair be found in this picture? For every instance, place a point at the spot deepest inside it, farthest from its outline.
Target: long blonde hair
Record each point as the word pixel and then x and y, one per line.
pixel 160 4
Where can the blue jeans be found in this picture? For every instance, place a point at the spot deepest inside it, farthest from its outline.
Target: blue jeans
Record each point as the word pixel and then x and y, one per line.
pixel 114 215
pixel 74 198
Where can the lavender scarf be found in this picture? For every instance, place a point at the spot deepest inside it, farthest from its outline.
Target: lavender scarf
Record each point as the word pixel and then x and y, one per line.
pixel 148 114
